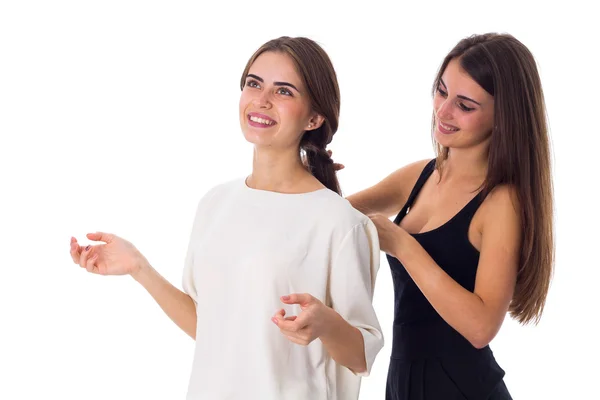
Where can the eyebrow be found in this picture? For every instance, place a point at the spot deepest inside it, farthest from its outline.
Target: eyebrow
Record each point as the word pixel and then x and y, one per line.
pixel 460 96
pixel 258 78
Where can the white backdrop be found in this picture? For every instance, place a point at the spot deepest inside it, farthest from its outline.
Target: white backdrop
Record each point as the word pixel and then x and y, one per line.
pixel 120 115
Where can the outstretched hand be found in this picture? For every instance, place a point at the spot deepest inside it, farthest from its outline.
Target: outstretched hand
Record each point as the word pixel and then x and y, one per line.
pixel 116 256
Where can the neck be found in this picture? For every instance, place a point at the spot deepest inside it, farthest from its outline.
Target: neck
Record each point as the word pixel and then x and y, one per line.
pixel 277 170
pixel 471 163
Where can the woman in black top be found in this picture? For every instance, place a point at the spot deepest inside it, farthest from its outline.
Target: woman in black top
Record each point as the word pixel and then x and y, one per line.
pixel 473 235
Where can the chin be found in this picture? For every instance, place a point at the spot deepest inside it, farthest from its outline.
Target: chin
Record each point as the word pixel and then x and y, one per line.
pixel 442 139
pixel 256 138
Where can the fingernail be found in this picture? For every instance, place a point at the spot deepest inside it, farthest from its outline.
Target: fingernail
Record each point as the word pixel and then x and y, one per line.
pixel 285 297
pixel 87 247
pixel 274 320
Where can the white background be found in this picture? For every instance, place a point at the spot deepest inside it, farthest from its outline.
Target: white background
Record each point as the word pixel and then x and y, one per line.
pixel 120 115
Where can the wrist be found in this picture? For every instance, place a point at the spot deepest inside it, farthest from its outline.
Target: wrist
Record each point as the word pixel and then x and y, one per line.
pixel 330 321
pixel 140 269
pixel 402 245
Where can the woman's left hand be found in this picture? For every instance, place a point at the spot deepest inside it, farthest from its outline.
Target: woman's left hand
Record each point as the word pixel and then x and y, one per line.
pixel 310 324
pixel 389 234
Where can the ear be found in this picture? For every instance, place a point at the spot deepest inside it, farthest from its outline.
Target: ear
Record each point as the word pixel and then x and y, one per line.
pixel 314 122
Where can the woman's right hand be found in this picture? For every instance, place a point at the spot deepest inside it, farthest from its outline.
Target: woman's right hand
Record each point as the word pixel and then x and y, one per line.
pixel 116 256
pixel 336 166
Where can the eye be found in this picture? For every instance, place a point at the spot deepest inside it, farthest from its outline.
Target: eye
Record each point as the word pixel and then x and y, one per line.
pixel 465 108
pixel 284 91
pixel 441 91
pixel 253 84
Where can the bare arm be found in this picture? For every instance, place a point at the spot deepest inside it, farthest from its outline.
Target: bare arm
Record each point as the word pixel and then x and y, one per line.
pixel 388 196
pixel 476 315
pixel 345 344
pixel 117 256
pixel 176 304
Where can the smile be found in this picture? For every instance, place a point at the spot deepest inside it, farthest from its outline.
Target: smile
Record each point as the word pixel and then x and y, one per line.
pixel 260 120
pixel 446 128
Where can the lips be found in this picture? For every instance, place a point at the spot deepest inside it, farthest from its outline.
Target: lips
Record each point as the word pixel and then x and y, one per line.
pixel 447 129
pixel 260 120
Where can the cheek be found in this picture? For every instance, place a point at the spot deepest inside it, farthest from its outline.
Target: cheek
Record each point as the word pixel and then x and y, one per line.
pixel 293 111
pixel 244 101
pixel 437 102
pixel 477 124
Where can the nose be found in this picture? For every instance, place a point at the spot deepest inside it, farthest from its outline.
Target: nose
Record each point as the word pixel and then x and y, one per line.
pixel 444 110
pixel 263 100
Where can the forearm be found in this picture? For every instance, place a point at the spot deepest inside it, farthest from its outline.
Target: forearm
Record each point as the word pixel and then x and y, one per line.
pixel 345 344
pixel 369 204
pixel 465 311
pixel 176 304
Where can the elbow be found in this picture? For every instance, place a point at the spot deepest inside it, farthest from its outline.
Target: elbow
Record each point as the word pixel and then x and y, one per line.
pixel 481 337
pixel 360 371
pixel 479 343
pixel 359 368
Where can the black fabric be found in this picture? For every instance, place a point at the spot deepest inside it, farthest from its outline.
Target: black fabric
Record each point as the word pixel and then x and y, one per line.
pixel 430 360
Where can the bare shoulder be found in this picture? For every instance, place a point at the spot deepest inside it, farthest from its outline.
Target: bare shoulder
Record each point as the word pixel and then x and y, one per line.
pixel 502 208
pixel 407 176
pixel 503 197
pixel 388 196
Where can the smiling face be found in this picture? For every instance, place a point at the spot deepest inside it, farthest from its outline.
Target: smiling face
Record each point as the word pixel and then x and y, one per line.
pixel 464 111
pixel 275 109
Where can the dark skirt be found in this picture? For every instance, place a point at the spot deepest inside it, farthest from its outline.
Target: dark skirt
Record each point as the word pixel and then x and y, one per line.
pixel 442 378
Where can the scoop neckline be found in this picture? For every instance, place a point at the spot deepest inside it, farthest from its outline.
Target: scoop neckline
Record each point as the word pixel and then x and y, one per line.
pixel 274 193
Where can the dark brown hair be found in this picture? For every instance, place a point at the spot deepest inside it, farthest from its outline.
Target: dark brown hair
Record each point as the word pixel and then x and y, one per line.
pixel 519 154
pixel 320 80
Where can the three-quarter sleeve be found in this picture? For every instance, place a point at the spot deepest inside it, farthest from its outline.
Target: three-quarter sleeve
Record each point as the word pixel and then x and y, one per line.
pixel 352 283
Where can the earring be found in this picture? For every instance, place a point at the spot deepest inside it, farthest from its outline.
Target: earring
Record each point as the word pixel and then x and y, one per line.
pixel 310 125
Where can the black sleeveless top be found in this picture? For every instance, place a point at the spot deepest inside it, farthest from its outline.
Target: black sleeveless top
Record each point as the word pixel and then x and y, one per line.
pixel 420 333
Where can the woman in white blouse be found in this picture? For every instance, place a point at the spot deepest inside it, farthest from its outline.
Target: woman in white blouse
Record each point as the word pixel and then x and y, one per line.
pixel 280 251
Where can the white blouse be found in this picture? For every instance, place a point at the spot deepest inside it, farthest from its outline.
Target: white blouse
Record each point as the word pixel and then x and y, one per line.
pixel 248 248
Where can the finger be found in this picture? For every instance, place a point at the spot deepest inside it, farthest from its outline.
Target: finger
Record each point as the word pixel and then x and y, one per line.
pixel 280 314
pixel 75 252
pixel 338 166
pixel 303 299
pixel 374 218
pixel 84 256
pixel 89 265
pixel 330 153
pixel 101 237
pixel 278 317
pixel 289 326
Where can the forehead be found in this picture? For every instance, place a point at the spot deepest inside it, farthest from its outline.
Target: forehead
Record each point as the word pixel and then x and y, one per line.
pixel 460 82
pixel 275 67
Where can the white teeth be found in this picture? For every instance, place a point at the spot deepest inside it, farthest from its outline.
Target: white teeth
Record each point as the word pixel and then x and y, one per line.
pixel 449 128
pixel 261 121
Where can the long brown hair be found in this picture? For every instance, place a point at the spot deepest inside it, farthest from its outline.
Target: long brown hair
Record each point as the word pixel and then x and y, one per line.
pixel 519 154
pixel 319 78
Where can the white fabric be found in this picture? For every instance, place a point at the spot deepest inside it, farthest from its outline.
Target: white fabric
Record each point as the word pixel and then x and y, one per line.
pixel 248 248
